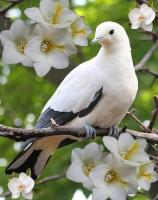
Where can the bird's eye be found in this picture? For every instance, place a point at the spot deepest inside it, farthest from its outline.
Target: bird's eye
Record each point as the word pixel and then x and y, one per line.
pixel 111 32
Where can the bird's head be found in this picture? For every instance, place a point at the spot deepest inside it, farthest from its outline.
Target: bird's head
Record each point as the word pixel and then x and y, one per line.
pixel 109 33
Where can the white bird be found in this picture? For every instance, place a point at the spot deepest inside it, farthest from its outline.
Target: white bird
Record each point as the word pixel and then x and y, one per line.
pixel 97 93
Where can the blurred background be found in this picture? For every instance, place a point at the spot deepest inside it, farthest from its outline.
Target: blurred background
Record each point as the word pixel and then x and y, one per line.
pixel 23 94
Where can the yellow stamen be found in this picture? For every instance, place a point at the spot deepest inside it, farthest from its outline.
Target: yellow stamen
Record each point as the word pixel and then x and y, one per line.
pixel 21 187
pixel 141 19
pixel 79 32
pixel 21 46
pixel 88 168
pixel 110 176
pixel 46 46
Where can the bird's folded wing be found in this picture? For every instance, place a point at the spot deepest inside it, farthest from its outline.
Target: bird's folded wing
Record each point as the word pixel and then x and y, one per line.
pixel 76 96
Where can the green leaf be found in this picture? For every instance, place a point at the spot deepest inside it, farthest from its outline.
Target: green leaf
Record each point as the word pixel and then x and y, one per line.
pixel 28 172
pixel 151 3
pixel 38 181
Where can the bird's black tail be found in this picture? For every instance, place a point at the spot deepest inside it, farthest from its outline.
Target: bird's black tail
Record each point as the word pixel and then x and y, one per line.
pixel 35 156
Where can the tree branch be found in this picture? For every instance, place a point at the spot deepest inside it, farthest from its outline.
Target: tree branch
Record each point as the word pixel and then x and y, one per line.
pixel 19 134
pixel 12 4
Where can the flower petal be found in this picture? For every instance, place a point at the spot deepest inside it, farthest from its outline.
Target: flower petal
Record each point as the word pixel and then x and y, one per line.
pixel 66 16
pixel 134 15
pixel 80 40
pixel 142 143
pixel 97 176
pixel 125 141
pixel 42 67
pixel 13 185
pixel 144 183
pixel 154 177
pixel 28 195
pixel 64 3
pixel 4 37
pixel 132 187
pixel 143 7
pixel 26 61
pixel 47 7
pixel 19 30
pixel 58 58
pixel 139 155
pixel 148 27
pixel 136 26
pixel 59 36
pixel 91 153
pixel 149 15
pixel 76 154
pixel 15 195
pixel 79 24
pixel 107 140
pixel 33 49
pixel 76 172
pixel 147 168
pixel 22 176
pixel 88 30
pixel 11 55
pixel 116 190
pixel 112 160
pixel 70 47
pixel 126 172
pixel 29 184
pixel 88 185
pixel 99 194
pixel 34 14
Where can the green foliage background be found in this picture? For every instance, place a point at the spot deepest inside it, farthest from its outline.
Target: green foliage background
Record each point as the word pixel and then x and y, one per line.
pixel 25 93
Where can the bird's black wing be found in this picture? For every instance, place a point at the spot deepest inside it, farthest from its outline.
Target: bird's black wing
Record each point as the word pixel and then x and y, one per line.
pixel 61 118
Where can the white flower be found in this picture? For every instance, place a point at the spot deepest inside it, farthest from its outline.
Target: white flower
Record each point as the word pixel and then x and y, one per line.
pixel 80 31
pixel 146 175
pixel 113 179
pixel 14 42
pixel 22 184
pixel 142 17
pixel 128 149
pixel 53 13
pixel 51 48
pixel 83 161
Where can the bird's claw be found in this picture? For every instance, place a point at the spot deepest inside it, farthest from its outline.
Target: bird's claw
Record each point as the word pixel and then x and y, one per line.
pixel 113 131
pixel 90 133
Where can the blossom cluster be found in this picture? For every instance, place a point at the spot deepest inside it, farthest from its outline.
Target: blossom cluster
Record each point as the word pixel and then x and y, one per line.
pixel 114 174
pixel 49 39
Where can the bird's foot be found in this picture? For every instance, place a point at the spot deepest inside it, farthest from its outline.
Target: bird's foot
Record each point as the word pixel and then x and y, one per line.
pixel 113 131
pixel 90 133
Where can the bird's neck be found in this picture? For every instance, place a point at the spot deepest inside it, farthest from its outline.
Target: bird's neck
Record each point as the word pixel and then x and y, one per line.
pixel 110 57
pixel 117 48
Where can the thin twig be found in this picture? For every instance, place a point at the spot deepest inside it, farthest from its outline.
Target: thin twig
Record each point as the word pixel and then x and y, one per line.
pixel 154 114
pixel 142 63
pixel 138 121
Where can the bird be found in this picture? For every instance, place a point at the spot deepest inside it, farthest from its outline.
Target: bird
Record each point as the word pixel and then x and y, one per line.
pixel 97 93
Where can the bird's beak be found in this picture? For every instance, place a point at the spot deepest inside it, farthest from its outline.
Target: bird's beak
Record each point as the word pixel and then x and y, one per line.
pixel 95 40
